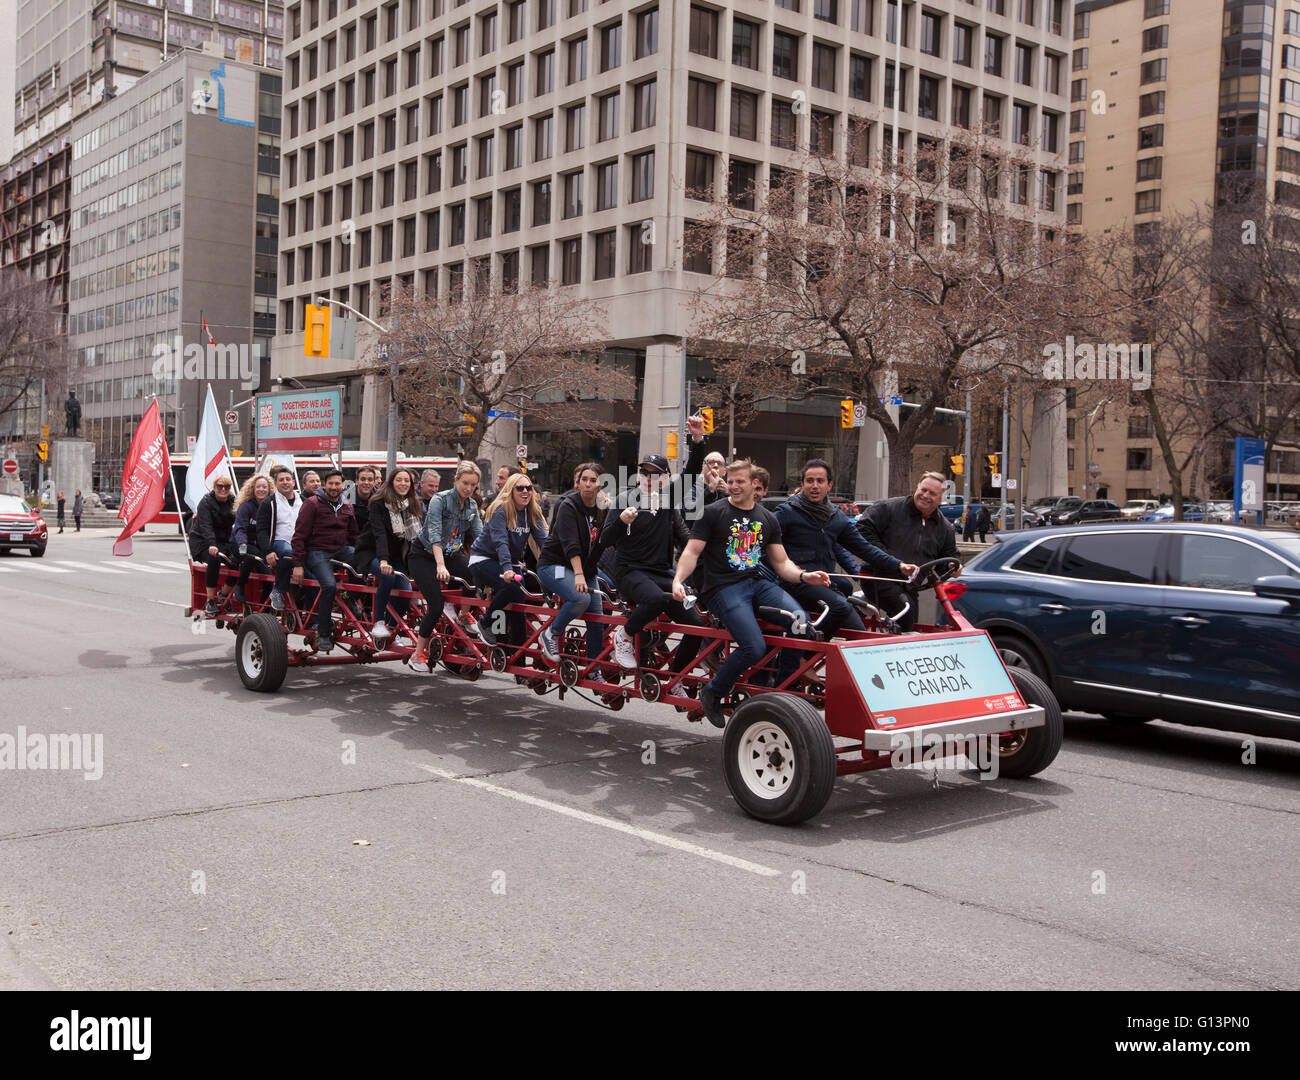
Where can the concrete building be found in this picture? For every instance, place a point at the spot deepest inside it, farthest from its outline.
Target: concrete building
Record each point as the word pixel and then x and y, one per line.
pixel 1154 134
pixel 174 208
pixel 73 56
pixel 534 139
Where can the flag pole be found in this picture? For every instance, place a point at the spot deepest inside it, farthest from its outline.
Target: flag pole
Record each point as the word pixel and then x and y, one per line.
pixel 171 476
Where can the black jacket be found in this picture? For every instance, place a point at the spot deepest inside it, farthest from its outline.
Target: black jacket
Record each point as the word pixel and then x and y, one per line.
pixel 647 544
pixel 212 524
pixel 812 546
pixel 898 527
pixel 569 536
pixel 377 540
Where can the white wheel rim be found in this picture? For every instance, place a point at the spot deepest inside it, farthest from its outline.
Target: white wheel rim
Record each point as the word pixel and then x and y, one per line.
pixel 251 655
pixel 766 760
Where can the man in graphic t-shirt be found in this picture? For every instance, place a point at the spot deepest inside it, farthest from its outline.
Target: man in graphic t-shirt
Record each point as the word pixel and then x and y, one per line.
pixel 734 535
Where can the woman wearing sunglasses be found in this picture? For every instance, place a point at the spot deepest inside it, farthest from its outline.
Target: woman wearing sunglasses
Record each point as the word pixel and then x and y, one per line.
pixel 210 537
pixel 514 524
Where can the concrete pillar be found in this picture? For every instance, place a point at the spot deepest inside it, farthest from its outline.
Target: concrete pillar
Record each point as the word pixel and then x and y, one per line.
pixel 1046 474
pixel 661 398
pixel 72 463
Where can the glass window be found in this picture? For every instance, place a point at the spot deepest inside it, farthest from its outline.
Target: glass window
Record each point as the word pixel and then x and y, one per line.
pixel 643 176
pixel 744 43
pixel 647 33
pixel 1039 558
pixel 603 261
pixel 1218 562
pixel 701 104
pixel 1128 558
pixel 704 32
pixel 643 105
pixel 785 55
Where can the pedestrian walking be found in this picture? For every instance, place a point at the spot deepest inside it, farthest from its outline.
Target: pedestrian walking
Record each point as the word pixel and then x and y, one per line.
pixel 77 507
pixel 62 501
pixel 984 523
pixel 972 518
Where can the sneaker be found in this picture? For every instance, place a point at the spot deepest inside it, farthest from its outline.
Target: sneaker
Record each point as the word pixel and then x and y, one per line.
pixel 238 597
pixel 547 642
pixel 324 644
pixel 470 626
pixel 449 609
pixel 418 662
pixel 277 600
pixel 485 632
pixel 712 707
pixel 380 631
pixel 624 651
pixel 211 608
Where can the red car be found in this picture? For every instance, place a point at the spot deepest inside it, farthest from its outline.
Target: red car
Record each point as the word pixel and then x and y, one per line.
pixel 21 527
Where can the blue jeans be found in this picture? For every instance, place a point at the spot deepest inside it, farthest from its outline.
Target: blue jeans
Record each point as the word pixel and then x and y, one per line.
pixel 318 566
pixel 734 606
pixel 488 574
pixel 284 563
pixel 385 584
pixel 560 580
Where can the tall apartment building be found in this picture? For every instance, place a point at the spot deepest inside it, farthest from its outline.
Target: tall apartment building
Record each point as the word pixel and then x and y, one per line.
pixel 532 139
pixel 72 56
pixel 1169 139
pixel 173 218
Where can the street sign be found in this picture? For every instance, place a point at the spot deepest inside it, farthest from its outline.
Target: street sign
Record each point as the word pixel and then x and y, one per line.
pixel 1011 483
pixel 493 413
pixel 300 420
pixel 11 466
pixel 859 414
pixel 997 479
pixel 232 417
pixel 521 451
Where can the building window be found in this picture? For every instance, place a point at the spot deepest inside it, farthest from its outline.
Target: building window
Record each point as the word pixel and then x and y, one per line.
pixel 542 128
pixel 742 179
pixel 603 261
pixel 697 255
pixel 647 33
pixel 575 127
pixel 821 133
pixel 744 114
pixel 577 60
pixel 571 261
pixel 785 55
pixel 1150 168
pixel 512 210
pixel 927 98
pixel 643 176
pixel 572 195
pixel 607 117
pixel 704 32
pixel 639 249
pixel 514 137
pixel 931 25
pixel 545 66
pixel 1076 152
pixel 643 105
pixel 961 100
pixel 823 72
pixel 961 44
pixel 1147 202
pixel 1154 103
pixel 860 77
pixel 701 104
pixel 611 46
pixel 541 264
pixel 826 10
pixel 1025 64
pixel 483 217
pixel 744 43
pixel 699 174
pixel 542 202
pixel 607 185
pixel 785 131
pixel 1156 37
pixel 993 54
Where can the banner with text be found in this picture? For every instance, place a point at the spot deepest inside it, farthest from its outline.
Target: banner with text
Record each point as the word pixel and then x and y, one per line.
pixel 303 420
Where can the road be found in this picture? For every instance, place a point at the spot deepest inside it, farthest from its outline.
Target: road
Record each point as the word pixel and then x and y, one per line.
pixel 370 828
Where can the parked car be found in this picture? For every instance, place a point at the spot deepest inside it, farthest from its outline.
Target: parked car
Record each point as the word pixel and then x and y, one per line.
pixel 21 527
pixel 954 509
pixel 850 508
pixel 1190 623
pixel 1075 511
pixel 110 501
pixel 1191 512
pixel 1137 507
pixel 1220 511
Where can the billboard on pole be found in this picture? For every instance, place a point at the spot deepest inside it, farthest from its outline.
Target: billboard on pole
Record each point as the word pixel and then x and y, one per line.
pixel 300 420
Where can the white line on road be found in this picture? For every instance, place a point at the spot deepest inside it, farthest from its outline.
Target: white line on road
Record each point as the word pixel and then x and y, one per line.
pixel 8 570
pixel 606 823
pixel 169 603
pixel 48 568
pixel 137 566
pixel 105 569
pixel 172 565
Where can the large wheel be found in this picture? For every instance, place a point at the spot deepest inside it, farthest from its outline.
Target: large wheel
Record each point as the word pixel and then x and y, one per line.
pixel 1031 750
pixel 37 552
pixel 261 653
pixel 1018 653
pixel 778 758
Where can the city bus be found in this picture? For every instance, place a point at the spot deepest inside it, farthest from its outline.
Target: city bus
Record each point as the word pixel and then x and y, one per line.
pixel 351 461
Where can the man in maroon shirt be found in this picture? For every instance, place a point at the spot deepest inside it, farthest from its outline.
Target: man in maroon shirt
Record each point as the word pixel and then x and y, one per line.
pixel 326 529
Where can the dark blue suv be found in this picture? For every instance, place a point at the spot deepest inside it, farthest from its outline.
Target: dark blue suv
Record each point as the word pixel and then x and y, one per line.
pixel 1191 623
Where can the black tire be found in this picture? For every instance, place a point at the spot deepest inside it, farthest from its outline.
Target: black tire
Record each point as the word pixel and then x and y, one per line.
pixel 37 552
pixel 778 758
pixel 1017 652
pixel 261 653
pixel 1024 753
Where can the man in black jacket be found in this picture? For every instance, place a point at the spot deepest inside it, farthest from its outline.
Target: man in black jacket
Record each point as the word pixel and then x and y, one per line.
pixel 911 529
pixel 643 532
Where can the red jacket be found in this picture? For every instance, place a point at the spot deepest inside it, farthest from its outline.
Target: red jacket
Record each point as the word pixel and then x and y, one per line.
pixel 323 526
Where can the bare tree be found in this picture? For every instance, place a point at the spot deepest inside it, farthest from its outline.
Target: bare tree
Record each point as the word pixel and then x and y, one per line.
pixel 837 279
pixel 534 350
pixel 31 345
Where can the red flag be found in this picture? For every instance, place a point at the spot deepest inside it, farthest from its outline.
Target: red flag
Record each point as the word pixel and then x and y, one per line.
pixel 208 333
pixel 144 478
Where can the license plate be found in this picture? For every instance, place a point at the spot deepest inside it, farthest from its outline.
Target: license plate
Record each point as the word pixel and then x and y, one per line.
pixel 16 536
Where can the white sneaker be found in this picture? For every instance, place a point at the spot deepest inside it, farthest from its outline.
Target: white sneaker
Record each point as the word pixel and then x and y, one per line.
pixel 381 630
pixel 624 650
pixel 449 609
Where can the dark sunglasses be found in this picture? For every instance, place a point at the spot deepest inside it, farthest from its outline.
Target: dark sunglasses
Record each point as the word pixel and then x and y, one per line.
pixel 523 487
pixel 649 472
pixel 221 487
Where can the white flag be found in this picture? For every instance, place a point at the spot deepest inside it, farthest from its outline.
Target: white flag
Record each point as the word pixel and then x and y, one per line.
pixel 209 458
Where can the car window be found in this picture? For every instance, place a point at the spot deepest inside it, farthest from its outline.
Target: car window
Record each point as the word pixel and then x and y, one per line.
pixel 1219 562
pixel 12 504
pixel 1039 557
pixel 1128 558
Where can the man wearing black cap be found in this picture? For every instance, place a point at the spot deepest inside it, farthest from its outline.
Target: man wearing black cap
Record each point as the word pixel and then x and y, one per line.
pixel 643 535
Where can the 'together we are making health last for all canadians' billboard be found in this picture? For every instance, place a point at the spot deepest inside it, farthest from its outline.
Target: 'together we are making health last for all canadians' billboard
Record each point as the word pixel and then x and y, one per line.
pixel 301 420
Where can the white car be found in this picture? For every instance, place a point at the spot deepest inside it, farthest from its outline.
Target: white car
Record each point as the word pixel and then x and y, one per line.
pixel 1137 507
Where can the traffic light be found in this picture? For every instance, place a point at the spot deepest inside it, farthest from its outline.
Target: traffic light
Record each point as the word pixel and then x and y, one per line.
pixel 957 462
pixel 316 332
pixel 672 444
pixel 846 414
pixel 43 451
pixel 467 428
pixel 993 462
pixel 708 420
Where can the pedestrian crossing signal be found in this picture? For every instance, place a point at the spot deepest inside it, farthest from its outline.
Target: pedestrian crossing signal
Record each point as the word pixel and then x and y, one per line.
pixel 43 451
pixel 957 462
pixel 846 414
pixel 672 444
pixel 708 420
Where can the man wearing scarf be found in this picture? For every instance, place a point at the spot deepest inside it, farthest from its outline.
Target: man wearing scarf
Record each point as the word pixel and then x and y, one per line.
pixel 812 526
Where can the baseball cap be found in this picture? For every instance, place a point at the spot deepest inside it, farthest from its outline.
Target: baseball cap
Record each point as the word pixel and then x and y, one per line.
pixel 658 461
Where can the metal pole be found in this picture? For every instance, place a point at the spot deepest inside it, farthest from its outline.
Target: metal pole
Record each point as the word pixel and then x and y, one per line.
pixel 731 423
pixel 1020 456
pixel 392 410
pixel 1005 462
pixel 40 465
pixel 969 464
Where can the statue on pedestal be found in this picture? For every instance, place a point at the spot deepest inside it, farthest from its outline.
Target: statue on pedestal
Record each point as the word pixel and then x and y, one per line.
pixel 72 413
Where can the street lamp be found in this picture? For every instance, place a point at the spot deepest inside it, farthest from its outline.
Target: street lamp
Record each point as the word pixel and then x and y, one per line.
pixel 325 301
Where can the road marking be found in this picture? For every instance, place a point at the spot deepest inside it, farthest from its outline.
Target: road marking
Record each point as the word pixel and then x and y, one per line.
pixel 8 570
pixel 172 565
pixel 169 603
pixel 48 568
pixel 87 566
pixel 606 823
pixel 137 566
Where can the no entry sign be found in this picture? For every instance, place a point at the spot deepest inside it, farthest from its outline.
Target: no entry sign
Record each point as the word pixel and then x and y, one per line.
pixel 11 466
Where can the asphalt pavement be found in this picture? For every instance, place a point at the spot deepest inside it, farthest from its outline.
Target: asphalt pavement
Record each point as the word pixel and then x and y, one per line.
pixel 365 827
